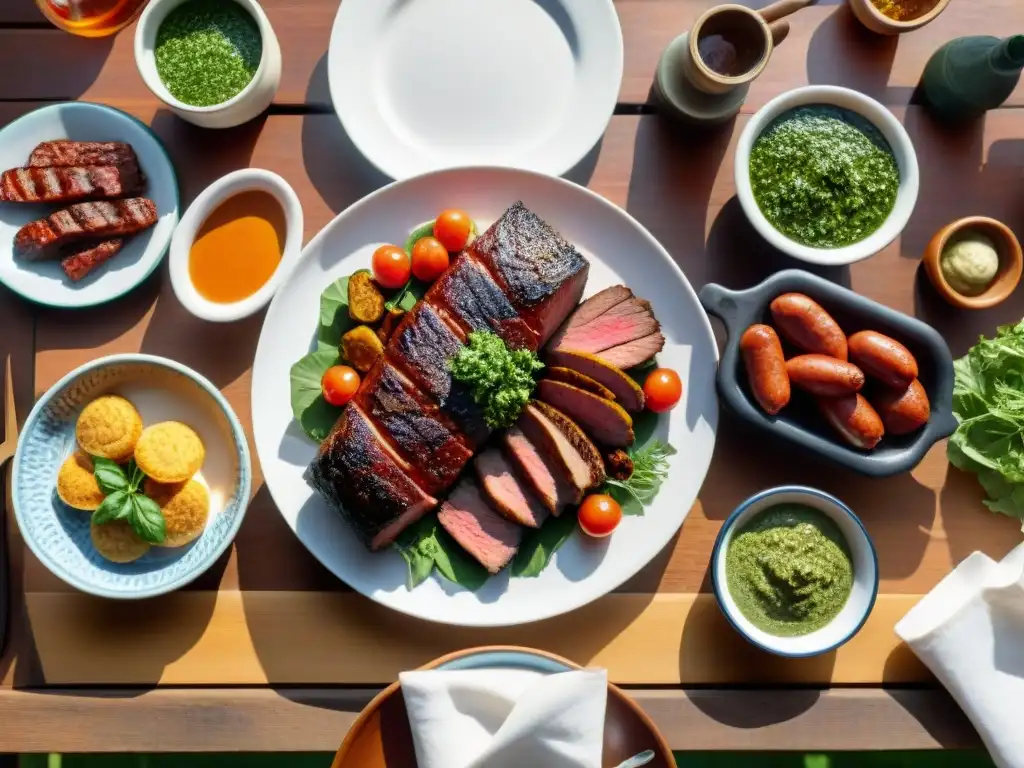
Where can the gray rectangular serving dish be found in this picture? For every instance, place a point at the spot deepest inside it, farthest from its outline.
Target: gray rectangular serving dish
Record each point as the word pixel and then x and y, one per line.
pixel 800 422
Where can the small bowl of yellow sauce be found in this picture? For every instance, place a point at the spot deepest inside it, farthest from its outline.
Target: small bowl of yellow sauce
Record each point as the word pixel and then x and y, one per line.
pixel 235 245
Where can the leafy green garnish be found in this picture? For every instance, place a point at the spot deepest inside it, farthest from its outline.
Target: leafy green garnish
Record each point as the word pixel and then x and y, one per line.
pixel 988 402
pixel 650 468
pixel 124 501
pixel 500 379
pixel 427 545
pixel 540 544
pixel 334 317
pixel 424 230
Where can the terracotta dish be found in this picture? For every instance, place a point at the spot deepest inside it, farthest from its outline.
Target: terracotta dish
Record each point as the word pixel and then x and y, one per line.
pixel 380 736
pixel 876 21
pixel 1010 262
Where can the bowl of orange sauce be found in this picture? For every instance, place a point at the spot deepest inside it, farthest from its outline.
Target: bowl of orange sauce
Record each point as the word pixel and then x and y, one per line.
pixel 235 245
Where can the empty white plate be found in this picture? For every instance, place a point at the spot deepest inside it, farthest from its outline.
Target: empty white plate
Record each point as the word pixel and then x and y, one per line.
pixel 44 281
pixel 422 85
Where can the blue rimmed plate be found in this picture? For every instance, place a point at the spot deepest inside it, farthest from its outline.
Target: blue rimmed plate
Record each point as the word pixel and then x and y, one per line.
pixel 43 281
pixel 161 390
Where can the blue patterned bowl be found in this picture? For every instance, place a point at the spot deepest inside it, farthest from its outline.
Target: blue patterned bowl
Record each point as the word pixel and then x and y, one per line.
pixel 161 390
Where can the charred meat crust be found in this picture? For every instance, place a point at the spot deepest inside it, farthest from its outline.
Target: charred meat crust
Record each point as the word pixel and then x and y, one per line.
pixel 81 258
pixel 69 184
pixel 62 152
pixel 605 421
pixel 576 437
pixel 101 219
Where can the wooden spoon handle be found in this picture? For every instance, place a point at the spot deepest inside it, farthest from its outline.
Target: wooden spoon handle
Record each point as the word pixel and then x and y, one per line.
pixel 782 8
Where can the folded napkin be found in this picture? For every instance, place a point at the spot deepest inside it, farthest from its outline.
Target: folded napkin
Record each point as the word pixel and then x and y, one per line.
pixel 506 718
pixel 969 631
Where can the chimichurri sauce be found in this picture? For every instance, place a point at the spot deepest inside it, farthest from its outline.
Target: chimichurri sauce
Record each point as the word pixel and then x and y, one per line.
pixel 789 570
pixel 824 176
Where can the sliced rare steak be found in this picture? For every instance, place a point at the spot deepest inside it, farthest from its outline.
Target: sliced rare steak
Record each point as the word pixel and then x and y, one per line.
pixel 469 295
pixel 542 274
pixel 598 304
pixel 357 474
pixel 505 491
pixel 577 379
pixel 538 471
pixel 418 429
pixel 577 438
pixel 421 347
pixel 627 392
pixel 560 447
pixel 633 353
pixel 610 329
pixel 491 539
pixel 604 420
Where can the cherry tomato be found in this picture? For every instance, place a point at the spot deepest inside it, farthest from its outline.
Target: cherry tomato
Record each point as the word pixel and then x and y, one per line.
pixel 453 228
pixel 339 384
pixel 599 514
pixel 429 259
pixel 391 266
pixel 662 390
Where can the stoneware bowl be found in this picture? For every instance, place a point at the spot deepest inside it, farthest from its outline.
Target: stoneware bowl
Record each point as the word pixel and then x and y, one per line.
pixel 800 422
pixel 381 738
pixel 1010 262
pixel 865 572
pixel 161 390
pixel 244 106
pixel 876 21
pixel 245 180
pixel 881 118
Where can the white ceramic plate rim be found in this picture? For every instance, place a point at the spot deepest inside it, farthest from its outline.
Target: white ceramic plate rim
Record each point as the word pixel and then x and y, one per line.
pixel 268 441
pixel 895 134
pixel 378 146
pixel 245 472
pixel 94 295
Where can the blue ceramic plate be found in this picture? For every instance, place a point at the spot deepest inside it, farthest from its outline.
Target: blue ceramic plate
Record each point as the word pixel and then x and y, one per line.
pixel 161 390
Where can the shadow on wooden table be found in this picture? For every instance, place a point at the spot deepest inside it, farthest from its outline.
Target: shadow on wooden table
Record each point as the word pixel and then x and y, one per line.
pixel 79 60
pixel 973 527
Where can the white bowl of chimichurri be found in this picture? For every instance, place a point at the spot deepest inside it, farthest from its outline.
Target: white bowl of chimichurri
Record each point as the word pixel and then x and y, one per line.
pixel 826 174
pixel 794 571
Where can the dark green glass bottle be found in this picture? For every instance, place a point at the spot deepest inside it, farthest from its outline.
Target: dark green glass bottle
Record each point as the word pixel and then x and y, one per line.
pixel 970 75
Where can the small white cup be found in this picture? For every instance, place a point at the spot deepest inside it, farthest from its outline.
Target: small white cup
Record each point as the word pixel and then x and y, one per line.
pixel 244 106
pixel 245 180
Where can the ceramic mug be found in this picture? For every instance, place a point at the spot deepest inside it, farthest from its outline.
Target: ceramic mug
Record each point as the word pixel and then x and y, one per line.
pixel 730 45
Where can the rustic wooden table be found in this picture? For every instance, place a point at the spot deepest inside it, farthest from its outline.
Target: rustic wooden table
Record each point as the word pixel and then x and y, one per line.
pixel 267 651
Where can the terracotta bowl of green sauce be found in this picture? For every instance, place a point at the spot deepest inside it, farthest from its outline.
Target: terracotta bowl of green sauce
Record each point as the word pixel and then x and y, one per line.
pixel 826 174
pixel 794 571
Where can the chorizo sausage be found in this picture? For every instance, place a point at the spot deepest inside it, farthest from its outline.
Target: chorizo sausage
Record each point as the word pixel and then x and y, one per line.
pixel 883 358
pixel 855 419
pixel 807 325
pixel 903 411
pixel 823 375
pixel 766 367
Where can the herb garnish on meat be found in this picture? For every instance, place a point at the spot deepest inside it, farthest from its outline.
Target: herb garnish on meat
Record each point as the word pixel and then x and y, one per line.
pixel 500 379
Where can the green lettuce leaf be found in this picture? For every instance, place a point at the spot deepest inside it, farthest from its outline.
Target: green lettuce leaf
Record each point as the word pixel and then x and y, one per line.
pixel 540 544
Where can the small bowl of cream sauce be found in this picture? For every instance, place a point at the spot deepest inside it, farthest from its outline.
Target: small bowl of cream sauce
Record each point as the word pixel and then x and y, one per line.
pixel 235 245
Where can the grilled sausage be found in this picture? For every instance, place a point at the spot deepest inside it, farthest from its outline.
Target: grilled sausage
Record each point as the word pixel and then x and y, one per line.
pixel 807 325
pixel 766 367
pixel 903 411
pixel 825 376
pixel 883 358
pixel 855 419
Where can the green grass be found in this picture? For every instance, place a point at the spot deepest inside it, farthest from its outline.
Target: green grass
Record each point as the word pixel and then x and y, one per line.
pixel 973 759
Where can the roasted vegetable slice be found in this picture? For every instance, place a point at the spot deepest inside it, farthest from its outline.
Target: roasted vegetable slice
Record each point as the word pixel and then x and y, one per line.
pixel 361 347
pixel 365 301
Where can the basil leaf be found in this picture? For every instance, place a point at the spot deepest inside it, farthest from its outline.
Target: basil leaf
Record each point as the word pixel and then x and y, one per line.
pixel 420 566
pixel 117 506
pixel 147 519
pixel 135 476
pixel 541 543
pixel 457 565
pixel 314 414
pixel 334 317
pixel 625 496
pixel 109 475
pixel 407 296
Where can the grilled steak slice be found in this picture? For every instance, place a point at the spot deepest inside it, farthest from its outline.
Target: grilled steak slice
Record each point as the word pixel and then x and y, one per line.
pixel 564 447
pixel 605 421
pixel 630 320
pixel 534 468
pixel 359 476
pixel 415 426
pixel 421 347
pixel 65 152
pixel 469 295
pixel 503 489
pixel 81 258
pixel 490 538
pixel 68 184
pixel 577 379
pixel 598 304
pixel 627 392
pixel 102 219
pixel 634 352
pixel 542 274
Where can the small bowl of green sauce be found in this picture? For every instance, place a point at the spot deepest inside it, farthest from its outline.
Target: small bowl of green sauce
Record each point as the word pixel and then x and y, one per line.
pixel 826 174
pixel 794 571
pixel 215 63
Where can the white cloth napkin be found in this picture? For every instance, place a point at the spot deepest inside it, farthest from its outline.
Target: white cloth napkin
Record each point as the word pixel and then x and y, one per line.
pixel 969 631
pixel 506 718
